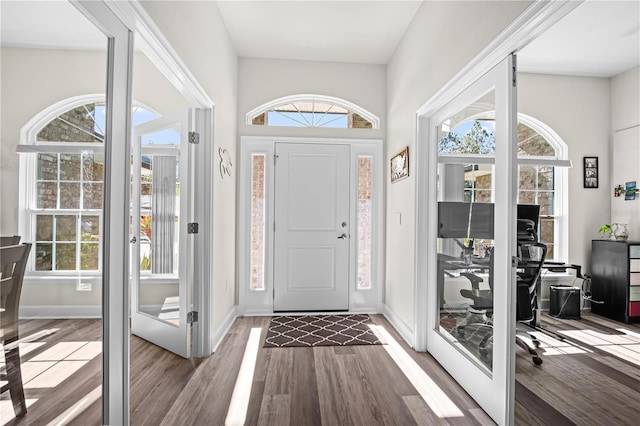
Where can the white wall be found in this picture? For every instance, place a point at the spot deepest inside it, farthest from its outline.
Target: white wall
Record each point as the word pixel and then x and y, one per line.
pixel 196 31
pixel 578 110
pixel 625 126
pixel 443 38
pixel 263 80
pixel 625 100
pixel 32 80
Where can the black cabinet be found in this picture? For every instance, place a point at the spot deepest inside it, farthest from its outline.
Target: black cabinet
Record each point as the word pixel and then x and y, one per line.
pixel 615 279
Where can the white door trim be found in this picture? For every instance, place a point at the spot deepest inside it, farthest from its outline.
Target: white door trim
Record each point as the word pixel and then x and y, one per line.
pixel 534 21
pixel 260 302
pixel 119 20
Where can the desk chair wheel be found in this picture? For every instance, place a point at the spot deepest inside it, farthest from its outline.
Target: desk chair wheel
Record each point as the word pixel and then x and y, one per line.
pixel 537 360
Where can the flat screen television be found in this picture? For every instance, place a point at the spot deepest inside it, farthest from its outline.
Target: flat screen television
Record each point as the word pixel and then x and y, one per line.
pixel 453 220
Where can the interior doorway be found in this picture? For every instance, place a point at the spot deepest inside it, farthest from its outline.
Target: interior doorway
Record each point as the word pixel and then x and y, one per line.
pixel 312 232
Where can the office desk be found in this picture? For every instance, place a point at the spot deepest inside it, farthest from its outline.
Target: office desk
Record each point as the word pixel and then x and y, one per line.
pixel 450 263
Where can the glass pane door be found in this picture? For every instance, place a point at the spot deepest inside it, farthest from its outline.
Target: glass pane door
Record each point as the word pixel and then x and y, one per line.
pixel 160 294
pixel 471 331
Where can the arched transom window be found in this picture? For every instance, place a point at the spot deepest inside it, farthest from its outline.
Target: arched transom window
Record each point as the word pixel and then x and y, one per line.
pixel 313 111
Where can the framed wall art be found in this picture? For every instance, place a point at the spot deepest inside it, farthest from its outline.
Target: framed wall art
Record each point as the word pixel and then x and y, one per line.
pixel 400 165
pixel 590 167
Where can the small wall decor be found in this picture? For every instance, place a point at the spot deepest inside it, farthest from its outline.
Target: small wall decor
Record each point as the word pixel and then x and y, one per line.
pixel 618 191
pixel 630 190
pixel 400 165
pixel 225 162
pixel 590 165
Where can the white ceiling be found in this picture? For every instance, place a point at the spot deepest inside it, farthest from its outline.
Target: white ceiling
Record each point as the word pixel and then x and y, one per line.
pixel 336 31
pixel 599 38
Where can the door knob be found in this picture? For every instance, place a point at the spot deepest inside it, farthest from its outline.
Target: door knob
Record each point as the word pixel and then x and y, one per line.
pixel 342 237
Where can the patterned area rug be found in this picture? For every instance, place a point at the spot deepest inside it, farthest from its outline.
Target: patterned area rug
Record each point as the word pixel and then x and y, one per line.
pixel 320 330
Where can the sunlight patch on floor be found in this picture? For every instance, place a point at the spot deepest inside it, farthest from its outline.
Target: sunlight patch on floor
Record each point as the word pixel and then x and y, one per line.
pixel 624 346
pixel 435 397
pixel 48 369
pixel 6 407
pixel 242 390
pixel 76 409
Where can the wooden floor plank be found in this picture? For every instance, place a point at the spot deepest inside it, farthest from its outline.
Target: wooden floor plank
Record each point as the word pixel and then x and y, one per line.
pixel 275 410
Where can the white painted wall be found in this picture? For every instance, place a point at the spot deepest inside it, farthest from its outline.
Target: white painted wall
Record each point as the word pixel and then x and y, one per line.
pixel 578 110
pixel 32 80
pixel 263 80
pixel 443 38
pixel 625 100
pixel 196 31
pixel 625 124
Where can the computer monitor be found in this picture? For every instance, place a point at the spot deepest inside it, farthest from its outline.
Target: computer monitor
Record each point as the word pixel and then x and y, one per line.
pixel 453 220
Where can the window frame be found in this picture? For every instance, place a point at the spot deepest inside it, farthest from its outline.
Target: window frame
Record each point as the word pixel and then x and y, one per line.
pixel 342 103
pixel 559 162
pixel 29 147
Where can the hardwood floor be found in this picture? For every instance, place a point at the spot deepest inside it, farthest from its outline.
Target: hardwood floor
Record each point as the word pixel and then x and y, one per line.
pixel 592 377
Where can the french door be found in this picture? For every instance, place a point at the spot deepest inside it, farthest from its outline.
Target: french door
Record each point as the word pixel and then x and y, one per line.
pixel 474 339
pixel 161 245
pixel 312 222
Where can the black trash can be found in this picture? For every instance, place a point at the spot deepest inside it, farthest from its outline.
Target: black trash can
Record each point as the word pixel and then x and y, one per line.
pixel 564 302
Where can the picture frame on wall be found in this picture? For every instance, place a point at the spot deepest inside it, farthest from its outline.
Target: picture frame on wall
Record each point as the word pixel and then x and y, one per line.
pixel 400 165
pixel 590 167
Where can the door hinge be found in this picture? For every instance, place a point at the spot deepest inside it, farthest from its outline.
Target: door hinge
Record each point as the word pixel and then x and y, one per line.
pixel 194 137
pixel 192 317
pixel 514 65
pixel 192 228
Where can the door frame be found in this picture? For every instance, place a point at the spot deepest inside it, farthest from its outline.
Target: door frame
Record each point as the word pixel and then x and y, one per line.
pixel 119 21
pixel 533 22
pixel 260 302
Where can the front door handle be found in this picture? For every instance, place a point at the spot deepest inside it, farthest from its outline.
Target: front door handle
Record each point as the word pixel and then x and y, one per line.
pixel 342 237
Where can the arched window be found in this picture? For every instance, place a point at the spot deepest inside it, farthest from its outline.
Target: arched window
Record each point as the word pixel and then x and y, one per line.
pixel 62 177
pixel 541 170
pixel 312 111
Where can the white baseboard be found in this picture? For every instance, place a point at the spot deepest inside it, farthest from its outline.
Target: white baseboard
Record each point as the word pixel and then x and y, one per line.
pixel 222 331
pixel 60 311
pixel 403 329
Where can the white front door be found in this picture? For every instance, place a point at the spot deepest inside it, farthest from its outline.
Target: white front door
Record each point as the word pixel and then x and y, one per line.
pixel 311 257
pixel 160 272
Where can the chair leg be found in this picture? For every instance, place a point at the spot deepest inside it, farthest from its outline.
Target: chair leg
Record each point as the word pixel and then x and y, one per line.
pixel 14 381
pixel 527 342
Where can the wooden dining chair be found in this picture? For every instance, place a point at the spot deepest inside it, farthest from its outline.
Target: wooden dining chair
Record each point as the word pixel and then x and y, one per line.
pixel 13 261
pixel 13 240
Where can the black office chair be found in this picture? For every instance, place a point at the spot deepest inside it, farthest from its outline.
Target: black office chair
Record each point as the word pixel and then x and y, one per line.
pixel 532 255
pixel 480 312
